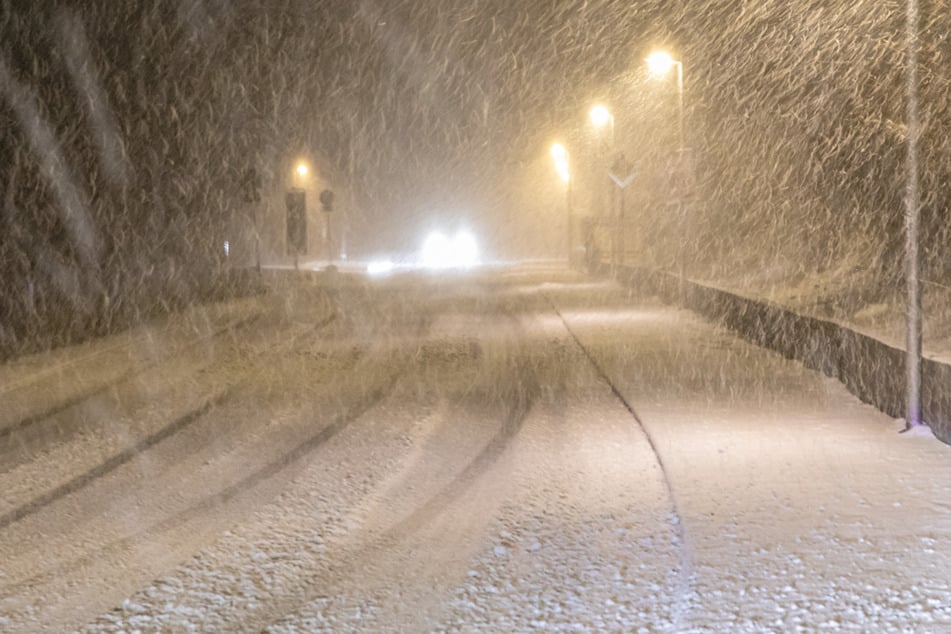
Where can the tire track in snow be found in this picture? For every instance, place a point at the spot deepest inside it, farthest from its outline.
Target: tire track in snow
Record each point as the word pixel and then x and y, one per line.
pixel 684 582
pixel 386 548
pixel 309 445
pixel 523 393
pixel 524 390
pixel 525 396
pixel 13 445
pixel 368 397
pixel 115 553
pixel 7 431
pixel 125 456
pixel 229 493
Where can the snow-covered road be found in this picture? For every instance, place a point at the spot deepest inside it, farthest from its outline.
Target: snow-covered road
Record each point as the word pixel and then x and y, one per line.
pixel 508 451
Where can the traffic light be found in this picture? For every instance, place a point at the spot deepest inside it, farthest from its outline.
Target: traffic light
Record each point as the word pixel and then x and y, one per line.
pixel 327 200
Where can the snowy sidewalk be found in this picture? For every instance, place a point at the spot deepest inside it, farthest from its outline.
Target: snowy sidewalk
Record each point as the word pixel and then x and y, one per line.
pixel 804 509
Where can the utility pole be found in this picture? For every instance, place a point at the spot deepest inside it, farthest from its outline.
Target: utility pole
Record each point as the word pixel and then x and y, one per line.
pixel 912 214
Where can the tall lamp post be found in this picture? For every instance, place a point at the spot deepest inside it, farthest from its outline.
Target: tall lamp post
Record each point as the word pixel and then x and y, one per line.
pixel 600 118
pixel 913 325
pixel 563 167
pixel 297 213
pixel 659 63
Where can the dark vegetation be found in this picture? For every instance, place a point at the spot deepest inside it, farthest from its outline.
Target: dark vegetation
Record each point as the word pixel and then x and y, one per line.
pixel 125 129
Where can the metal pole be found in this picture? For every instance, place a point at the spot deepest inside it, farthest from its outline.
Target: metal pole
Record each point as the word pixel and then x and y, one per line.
pixel 568 218
pixel 616 238
pixel 257 237
pixel 351 198
pixel 684 180
pixel 680 106
pixel 330 242
pixel 620 233
pixel 912 213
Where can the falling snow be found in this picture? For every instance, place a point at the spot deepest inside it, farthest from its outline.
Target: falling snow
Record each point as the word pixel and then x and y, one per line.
pixel 233 397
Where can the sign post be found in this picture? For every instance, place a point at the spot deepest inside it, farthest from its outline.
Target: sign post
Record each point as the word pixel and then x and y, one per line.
pixel 622 173
pixel 296 224
pixel 327 205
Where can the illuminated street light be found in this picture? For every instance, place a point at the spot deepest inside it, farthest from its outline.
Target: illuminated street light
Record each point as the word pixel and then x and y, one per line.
pixel 601 116
pixel 659 63
pixel 297 212
pixel 563 167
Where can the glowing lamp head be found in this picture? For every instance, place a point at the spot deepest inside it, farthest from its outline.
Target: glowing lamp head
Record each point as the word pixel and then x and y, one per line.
pixel 302 169
pixel 659 63
pixel 600 116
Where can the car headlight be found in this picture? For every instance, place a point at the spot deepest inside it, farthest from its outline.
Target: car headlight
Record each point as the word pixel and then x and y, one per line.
pixel 441 252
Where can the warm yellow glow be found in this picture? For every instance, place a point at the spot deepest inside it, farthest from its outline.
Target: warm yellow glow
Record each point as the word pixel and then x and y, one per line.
pixel 600 116
pixel 659 63
pixel 302 169
pixel 558 152
pixel 563 172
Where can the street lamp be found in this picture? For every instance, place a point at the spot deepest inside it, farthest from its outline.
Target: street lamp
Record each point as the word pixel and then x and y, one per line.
pixel 600 117
pixel 659 64
pixel 913 323
pixel 563 167
pixel 297 211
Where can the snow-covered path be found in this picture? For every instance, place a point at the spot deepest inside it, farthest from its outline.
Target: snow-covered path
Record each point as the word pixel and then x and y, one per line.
pixel 476 453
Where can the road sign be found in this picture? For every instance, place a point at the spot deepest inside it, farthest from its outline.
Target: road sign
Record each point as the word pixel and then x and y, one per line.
pixel 621 172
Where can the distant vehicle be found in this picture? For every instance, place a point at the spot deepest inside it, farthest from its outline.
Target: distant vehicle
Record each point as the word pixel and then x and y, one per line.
pixel 441 252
